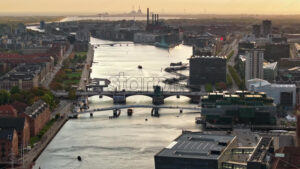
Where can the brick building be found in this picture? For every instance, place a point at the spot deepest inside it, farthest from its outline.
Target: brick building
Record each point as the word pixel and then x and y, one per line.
pixel 11 60
pixel 38 115
pixel 8 111
pixel 8 144
pixel 21 125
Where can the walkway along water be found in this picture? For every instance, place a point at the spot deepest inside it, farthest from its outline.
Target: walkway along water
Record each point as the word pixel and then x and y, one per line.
pixel 33 154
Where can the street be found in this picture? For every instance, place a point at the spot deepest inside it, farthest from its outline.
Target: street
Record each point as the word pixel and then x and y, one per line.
pixel 50 76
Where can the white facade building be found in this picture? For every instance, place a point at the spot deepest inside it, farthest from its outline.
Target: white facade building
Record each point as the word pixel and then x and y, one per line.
pixel 254 64
pixel 284 94
pixel 142 37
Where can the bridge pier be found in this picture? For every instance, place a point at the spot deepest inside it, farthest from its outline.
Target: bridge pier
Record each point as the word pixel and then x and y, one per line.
pixel 158 100
pixel 155 112
pixel 119 99
pixel 195 99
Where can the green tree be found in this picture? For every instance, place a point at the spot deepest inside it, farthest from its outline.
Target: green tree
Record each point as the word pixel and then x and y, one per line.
pixel 228 80
pixel 4 97
pixel 72 94
pixel 15 90
pixel 208 87
pixel 221 86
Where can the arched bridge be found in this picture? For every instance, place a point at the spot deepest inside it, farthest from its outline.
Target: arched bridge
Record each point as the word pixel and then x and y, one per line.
pixel 120 96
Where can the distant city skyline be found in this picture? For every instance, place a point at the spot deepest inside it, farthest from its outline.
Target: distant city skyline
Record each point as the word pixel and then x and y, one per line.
pixel 65 7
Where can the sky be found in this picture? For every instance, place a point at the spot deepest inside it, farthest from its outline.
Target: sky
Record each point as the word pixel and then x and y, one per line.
pixel 57 7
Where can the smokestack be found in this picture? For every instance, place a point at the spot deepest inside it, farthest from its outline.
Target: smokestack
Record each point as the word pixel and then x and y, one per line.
pixel 152 18
pixel 157 18
pixel 147 16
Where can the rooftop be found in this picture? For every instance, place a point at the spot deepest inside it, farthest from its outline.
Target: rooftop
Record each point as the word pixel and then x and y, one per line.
pixel 270 66
pixel 7 109
pixel 260 83
pixel 12 123
pixel 197 145
pixel 24 72
pixel 36 108
pixel 208 57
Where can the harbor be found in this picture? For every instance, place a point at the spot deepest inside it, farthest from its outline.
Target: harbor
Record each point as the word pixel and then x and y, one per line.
pixel 100 144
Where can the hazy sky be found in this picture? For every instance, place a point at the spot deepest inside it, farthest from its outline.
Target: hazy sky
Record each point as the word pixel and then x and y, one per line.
pixel 160 6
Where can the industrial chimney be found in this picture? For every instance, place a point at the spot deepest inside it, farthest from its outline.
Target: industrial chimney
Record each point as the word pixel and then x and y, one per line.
pixel 147 16
pixel 152 19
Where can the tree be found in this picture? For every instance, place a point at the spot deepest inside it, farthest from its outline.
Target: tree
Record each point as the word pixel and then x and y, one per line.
pixel 228 80
pixel 208 87
pixel 17 97
pixel 221 86
pixel 72 94
pixel 4 97
pixel 15 90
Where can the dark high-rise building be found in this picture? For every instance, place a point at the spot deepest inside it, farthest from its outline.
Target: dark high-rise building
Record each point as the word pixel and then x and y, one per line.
pixel 267 27
pixel 275 51
pixel 256 30
pixel 207 69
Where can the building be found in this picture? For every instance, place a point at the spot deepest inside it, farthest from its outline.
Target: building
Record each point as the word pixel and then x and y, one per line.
pixel 8 111
pixel 145 37
pixel 267 27
pixel 256 30
pixel 83 36
pixel 81 46
pixel 254 64
pixel 244 46
pixel 275 51
pixel 195 150
pixel 38 115
pixel 283 94
pixel 288 63
pixel 297 49
pixel 286 158
pixel 270 71
pixel 25 76
pixel 20 125
pixel 9 61
pixel 8 145
pixel 241 107
pixel 207 69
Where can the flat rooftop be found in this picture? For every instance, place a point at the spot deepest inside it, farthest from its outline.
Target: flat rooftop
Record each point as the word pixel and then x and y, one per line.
pixel 197 145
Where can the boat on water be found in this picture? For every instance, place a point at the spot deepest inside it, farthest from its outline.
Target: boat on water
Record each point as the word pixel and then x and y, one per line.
pixel 176 64
pixel 79 158
pixel 140 67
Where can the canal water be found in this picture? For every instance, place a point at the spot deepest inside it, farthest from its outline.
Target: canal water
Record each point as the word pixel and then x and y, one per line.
pixel 125 142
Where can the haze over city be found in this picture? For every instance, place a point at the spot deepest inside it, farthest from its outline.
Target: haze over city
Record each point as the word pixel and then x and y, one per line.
pixel 58 7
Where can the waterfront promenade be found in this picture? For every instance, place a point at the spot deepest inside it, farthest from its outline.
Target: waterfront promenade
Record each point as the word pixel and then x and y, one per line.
pixel 33 154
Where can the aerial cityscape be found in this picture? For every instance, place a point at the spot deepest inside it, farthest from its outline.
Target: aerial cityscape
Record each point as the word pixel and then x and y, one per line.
pixel 135 84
